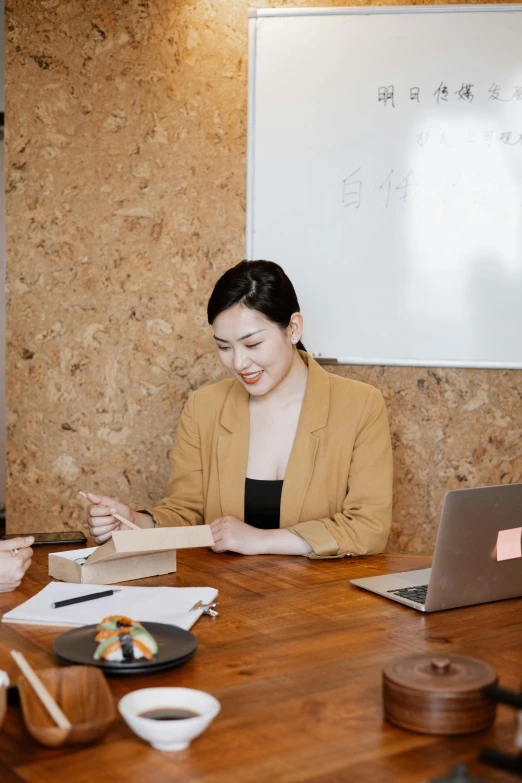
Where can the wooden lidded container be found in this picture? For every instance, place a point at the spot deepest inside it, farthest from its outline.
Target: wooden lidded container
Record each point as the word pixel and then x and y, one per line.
pixel 438 695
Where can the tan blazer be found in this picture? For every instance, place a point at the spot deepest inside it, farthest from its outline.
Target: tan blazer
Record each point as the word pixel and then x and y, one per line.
pixel 337 491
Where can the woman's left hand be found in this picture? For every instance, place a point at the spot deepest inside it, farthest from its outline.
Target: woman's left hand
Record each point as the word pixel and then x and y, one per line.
pixel 232 535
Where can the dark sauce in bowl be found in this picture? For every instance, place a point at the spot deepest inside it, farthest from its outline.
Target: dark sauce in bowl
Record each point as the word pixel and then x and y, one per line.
pixel 169 713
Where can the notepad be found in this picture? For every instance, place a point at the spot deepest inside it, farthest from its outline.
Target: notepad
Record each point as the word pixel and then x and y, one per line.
pixel 170 605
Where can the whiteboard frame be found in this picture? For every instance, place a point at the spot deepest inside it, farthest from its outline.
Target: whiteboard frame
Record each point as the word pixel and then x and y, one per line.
pixel 257 13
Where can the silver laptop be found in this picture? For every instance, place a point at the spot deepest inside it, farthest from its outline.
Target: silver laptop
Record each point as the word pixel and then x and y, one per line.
pixel 465 569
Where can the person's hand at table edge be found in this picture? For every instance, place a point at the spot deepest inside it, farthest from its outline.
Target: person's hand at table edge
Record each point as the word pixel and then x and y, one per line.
pixel 14 564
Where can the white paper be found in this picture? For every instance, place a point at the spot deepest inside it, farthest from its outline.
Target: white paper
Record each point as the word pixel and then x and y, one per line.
pixel 170 605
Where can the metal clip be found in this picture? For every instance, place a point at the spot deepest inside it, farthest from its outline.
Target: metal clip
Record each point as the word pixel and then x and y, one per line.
pixel 201 605
pixel 207 608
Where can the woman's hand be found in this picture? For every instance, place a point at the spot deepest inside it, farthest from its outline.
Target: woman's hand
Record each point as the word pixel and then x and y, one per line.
pixel 101 522
pixel 13 567
pixel 232 535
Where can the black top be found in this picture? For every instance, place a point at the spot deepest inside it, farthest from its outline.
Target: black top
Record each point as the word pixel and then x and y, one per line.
pixel 262 503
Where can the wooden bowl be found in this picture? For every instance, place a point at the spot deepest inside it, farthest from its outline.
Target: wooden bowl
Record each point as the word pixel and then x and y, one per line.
pixel 83 695
pixel 438 695
pixel 4 684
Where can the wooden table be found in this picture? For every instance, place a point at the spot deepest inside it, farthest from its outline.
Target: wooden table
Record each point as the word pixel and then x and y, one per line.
pixel 295 659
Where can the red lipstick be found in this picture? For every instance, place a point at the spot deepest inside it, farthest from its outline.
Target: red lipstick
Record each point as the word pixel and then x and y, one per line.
pixel 251 378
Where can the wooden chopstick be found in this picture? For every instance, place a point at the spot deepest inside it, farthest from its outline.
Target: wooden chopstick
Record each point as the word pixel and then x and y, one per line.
pixel 117 516
pixel 125 521
pixel 41 691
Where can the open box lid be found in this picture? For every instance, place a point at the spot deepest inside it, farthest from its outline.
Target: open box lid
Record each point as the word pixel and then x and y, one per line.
pixel 129 543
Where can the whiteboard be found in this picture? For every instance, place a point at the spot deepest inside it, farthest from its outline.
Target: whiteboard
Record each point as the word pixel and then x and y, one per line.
pixel 385 176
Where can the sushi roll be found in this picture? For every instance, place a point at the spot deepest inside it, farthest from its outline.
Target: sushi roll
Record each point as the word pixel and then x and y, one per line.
pixel 115 623
pixel 121 639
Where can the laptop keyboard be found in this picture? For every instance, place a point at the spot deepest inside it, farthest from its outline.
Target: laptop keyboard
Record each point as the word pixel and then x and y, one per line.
pixel 417 594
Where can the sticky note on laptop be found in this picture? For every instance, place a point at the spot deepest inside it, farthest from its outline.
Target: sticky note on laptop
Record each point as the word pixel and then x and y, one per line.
pixel 509 544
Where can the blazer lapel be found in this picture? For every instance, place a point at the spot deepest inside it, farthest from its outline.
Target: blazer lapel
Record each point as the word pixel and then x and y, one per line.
pixel 314 415
pixel 232 451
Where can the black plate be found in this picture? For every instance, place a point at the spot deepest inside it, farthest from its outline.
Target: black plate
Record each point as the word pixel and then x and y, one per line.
pixel 175 645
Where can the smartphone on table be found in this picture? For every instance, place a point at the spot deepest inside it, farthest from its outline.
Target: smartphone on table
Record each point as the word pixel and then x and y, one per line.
pixel 63 537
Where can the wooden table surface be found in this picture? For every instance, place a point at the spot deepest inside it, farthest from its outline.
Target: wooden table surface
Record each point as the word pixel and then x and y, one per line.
pixel 295 659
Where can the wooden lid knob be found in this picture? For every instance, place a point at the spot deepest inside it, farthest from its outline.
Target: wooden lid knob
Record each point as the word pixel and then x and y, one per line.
pixel 440 665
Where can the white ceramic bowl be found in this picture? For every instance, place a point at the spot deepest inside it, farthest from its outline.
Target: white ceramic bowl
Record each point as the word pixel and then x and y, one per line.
pixel 168 734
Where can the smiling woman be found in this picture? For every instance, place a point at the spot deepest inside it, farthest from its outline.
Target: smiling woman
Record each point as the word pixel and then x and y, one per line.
pixel 283 458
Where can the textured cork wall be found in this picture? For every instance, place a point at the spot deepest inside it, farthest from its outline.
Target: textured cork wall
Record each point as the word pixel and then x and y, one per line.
pixel 126 200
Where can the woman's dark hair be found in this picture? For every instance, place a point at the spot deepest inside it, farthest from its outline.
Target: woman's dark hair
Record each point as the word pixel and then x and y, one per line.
pixel 259 285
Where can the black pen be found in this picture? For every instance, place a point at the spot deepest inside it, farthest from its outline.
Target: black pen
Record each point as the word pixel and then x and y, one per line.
pixel 80 598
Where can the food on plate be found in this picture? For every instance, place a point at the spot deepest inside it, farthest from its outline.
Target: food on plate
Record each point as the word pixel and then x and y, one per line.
pixel 121 639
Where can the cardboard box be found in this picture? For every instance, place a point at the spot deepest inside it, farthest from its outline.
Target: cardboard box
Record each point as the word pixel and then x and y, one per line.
pixel 129 554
